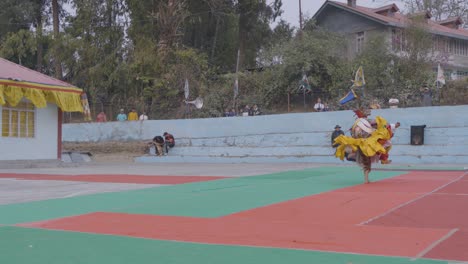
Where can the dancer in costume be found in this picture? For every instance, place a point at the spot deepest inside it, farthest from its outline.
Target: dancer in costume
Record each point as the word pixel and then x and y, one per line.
pixel 370 139
pixel 366 141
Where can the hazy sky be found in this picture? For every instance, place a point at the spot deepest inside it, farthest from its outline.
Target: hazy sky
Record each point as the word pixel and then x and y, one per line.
pixel 309 7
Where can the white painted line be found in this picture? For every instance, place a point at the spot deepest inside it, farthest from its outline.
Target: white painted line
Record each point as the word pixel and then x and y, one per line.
pixel 411 201
pixel 456 194
pixel 76 193
pixel 435 243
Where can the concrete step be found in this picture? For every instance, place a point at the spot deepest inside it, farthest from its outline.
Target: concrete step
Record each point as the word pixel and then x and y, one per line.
pixel 76 157
pixel 396 159
pixel 397 150
pixel 432 136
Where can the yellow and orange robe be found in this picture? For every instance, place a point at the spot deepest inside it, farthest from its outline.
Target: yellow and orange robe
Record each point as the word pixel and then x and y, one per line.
pixel 368 147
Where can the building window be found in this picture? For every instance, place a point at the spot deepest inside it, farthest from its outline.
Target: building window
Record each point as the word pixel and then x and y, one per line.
pixel 359 41
pixel 398 39
pixel 462 74
pixel 18 121
pixel 457 47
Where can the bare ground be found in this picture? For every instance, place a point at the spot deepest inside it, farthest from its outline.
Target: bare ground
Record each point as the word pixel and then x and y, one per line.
pixel 112 151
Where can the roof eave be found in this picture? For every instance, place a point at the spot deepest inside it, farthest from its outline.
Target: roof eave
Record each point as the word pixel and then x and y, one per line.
pixel 435 32
pixel 349 10
pixel 448 34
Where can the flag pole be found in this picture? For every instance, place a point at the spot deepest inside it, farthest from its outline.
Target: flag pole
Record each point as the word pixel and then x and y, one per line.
pixel 304 99
pixel 237 78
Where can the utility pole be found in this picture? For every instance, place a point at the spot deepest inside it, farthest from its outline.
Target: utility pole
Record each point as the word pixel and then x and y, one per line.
pixel 236 83
pixel 55 22
pixel 300 17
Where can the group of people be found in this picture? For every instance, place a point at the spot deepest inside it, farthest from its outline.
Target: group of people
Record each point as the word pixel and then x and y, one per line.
pixel 161 144
pixel 321 107
pixel 132 116
pixel 246 111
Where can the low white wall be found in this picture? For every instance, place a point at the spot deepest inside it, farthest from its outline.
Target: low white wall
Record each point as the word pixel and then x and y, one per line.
pixel 288 137
pixel 42 147
pixel 433 117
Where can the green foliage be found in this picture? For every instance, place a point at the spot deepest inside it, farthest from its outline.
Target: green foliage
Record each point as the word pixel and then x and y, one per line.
pixel 397 74
pixel 455 92
pixel 15 15
pixel 19 46
pixel 137 54
pixel 316 54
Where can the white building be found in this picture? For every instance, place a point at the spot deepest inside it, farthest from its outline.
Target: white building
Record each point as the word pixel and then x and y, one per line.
pixel 31 105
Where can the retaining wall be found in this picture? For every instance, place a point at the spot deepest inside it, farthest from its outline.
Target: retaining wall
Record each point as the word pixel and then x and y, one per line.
pixel 287 137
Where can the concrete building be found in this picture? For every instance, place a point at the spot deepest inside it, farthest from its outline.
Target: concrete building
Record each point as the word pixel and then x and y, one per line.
pixel 31 105
pixel 358 24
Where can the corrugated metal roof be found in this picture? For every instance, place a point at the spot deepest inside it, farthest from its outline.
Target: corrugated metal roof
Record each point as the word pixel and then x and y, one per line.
pixel 12 71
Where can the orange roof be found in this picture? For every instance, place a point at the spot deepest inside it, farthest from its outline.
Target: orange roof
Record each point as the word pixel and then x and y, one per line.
pixel 397 20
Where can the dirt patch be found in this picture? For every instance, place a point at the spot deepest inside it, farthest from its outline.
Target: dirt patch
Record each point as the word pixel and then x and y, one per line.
pixel 111 151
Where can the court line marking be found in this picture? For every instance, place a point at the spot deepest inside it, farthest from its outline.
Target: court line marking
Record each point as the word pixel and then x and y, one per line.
pixel 435 243
pixel 412 201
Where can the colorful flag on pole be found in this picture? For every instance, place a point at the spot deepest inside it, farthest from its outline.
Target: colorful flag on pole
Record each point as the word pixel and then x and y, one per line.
pixel 186 90
pixel 351 95
pixel 304 85
pixel 236 87
pixel 359 80
pixel 440 75
pixel 85 104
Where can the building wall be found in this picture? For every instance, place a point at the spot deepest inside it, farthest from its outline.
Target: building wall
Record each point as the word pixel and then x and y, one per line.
pixel 349 24
pixel 346 23
pixel 42 147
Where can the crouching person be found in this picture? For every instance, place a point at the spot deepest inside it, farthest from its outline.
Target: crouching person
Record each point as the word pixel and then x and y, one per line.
pixel 169 141
pixel 157 143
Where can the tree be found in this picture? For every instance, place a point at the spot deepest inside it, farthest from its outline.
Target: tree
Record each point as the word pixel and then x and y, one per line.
pixel 15 15
pixel 319 56
pixel 397 73
pixel 19 47
pixel 56 21
pixel 254 19
pixel 440 9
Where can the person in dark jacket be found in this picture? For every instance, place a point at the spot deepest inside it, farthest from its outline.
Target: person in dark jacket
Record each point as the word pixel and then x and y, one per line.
pixel 335 134
pixel 169 141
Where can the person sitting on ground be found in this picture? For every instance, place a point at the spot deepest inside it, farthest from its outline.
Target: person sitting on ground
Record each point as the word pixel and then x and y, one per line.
pixel 169 141
pixel 157 143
